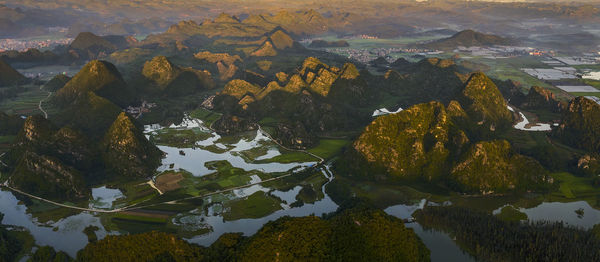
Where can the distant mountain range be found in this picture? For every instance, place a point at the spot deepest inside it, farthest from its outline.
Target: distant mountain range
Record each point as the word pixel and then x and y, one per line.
pixel 468 38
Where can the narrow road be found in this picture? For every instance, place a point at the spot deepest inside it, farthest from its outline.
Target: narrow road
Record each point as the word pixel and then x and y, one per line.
pixel 61 205
pixel 2 163
pixel 40 105
pixel 134 207
pixel 211 193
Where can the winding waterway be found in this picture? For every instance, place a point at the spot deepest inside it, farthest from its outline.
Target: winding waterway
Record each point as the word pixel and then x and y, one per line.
pixel 69 230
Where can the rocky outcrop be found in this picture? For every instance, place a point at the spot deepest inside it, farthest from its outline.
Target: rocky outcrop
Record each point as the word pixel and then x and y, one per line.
pixel 492 167
pixel 224 62
pixel 580 125
pixel 419 142
pixel 127 152
pixel 438 144
pixel 173 80
pixel 485 105
pixel 229 124
pixel 318 97
pixel 542 99
pixel 295 136
pixel 99 77
pixel 48 177
pixel 266 49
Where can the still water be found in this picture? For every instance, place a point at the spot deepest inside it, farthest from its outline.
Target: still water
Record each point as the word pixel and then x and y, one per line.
pixel 69 230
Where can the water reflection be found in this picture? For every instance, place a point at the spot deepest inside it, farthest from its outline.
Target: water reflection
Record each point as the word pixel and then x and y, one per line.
pixel 250 226
pixel 104 197
pixel 441 246
pixel 194 159
pixel 565 212
pixel 64 235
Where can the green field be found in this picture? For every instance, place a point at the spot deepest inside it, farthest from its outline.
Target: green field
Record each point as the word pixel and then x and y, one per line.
pixel 328 148
pixel 140 219
pixel 45 212
pixel 135 191
pixel 179 138
pixel 253 153
pixel 207 116
pixel 26 103
pixel 573 187
pixel 510 69
pixel 256 205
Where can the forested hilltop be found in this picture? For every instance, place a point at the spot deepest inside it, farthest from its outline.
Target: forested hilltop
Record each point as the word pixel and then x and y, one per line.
pixel 299 131
pixel 353 235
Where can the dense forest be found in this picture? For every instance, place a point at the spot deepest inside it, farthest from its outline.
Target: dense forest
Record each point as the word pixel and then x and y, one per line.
pixel 357 234
pixel 488 238
pixel 10 246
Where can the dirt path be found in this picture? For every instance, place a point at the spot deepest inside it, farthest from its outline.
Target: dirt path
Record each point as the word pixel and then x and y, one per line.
pixel 62 205
pixel 40 105
pixel 134 207
pixel 2 163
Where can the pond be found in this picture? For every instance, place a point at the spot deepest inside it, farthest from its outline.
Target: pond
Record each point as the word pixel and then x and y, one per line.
pixel 210 222
pixel 250 226
pixel 565 212
pixel 103 197
pixel 194 159
pixel 65 234
pixel 441 246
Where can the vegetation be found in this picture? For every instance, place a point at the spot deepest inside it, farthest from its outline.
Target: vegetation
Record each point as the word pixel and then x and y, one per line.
pixel 327 44
pixel 10 246
pixel 468 38
pixel 10 124
pixel 488 237
pixel 207 116
pixel 257 205
pixel 580 125
pixel 56 83
pixel 127 152
pixel 148 247
pixel 47 253
pixel 89 141
pixel 351 235
pixel 173 80
pixel 572 187
pixel 179 138
pixel 494 167
pixel 8 75
pixel 431 142
pixel 328 148
pixel 509 213
pixel 99 77
pixel 298 103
